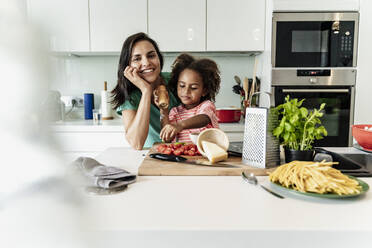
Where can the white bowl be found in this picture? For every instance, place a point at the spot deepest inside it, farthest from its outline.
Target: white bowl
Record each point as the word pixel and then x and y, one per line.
pixel 213 135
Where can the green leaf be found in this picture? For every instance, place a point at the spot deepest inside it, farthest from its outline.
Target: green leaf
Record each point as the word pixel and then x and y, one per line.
pixel 277 131
pixel 310 130
pixel 282 122
pixel 322 130
pixel 288 127
pixel 294 118
pixel 304 112
pixel 286 137
pixel 279 107
pixel 325 133
pixel 293 137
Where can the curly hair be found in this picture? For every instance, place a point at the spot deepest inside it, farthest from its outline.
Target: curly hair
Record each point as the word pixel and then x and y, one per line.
pixel 206 68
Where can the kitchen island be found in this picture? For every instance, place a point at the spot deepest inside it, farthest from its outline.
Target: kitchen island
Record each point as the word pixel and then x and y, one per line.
pixel 216 211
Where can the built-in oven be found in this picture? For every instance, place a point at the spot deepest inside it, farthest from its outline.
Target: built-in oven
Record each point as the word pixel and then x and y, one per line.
pixel 335 87
pixel 315 39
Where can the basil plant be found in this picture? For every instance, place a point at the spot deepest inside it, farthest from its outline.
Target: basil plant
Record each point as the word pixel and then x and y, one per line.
pixel 298 126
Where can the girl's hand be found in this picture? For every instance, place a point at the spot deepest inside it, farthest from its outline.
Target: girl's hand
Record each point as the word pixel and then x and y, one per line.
pixel 131 73
pixel 169 132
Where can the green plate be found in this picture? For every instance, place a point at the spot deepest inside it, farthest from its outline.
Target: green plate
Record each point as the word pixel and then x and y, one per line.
pixel 365 188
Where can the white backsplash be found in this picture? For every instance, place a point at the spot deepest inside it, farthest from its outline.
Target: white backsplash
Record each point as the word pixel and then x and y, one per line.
pixel 75 76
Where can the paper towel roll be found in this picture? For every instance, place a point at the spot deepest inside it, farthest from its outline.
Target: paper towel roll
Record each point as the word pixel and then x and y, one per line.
pixel 105 106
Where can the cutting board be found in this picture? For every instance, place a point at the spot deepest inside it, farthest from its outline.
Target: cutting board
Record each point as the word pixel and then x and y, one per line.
pixel 155 167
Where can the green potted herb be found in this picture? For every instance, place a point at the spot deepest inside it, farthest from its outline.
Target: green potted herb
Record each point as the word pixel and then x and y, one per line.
pixel 298 129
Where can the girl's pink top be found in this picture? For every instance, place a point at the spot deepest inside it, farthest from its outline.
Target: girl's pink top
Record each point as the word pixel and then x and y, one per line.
pixel 180 113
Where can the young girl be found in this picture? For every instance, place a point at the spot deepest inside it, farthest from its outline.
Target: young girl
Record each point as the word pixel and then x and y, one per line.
pixel 196 82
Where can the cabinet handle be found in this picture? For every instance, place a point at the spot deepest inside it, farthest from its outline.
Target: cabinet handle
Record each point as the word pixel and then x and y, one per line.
pixel 316 90
pixel 190 34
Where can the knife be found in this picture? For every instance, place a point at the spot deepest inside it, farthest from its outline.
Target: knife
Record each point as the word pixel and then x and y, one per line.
pixel 180 159
pixel 234 153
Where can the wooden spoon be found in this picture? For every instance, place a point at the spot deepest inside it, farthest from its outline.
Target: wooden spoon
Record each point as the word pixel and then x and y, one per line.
pixel 245 88
pixel 253 79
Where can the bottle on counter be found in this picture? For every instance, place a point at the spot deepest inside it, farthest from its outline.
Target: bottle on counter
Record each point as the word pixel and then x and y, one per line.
pixel 105 104
pixel 88 105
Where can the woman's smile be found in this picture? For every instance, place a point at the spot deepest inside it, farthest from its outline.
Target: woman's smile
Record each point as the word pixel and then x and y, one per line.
pixel 146 71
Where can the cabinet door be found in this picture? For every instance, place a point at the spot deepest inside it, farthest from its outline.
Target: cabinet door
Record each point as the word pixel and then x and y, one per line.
pixel 89 141
pixel 65 22
pixel 112 21
pixel 235 25
pixel 316 5
pixel 178 25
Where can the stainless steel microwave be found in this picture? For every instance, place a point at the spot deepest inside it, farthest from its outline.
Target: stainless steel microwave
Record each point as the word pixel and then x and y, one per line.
pixel 315 39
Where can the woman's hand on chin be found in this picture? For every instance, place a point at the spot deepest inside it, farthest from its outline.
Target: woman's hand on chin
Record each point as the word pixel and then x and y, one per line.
pixel 131 73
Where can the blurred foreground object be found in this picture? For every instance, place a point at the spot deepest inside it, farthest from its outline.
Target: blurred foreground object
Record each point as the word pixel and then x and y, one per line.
pixel 38 205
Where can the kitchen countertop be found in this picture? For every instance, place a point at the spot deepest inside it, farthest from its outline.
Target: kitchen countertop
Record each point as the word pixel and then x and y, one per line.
pixel 116 125
pixel 221 211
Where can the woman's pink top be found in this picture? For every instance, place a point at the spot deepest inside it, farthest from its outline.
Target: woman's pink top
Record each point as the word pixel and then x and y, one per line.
pixel 180 113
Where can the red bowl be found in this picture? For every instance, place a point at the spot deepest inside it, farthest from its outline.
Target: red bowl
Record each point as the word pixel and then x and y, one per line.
pixel 226 115
pixel 362 136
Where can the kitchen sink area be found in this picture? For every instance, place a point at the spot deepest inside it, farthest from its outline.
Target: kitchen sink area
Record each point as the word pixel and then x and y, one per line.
pixel 353 164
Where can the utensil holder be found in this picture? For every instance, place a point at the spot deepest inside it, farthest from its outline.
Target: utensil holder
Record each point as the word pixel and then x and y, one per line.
pixel 260 147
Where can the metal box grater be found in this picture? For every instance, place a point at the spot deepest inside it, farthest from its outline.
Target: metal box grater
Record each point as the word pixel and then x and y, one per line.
pixel 260 147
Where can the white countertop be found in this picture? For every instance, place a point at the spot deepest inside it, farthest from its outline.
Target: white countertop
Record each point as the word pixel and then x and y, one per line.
pixel 116 125
pixel 222 211
pixel 81 125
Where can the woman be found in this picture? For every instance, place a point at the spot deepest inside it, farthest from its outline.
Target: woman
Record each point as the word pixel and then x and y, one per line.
pixel 139 73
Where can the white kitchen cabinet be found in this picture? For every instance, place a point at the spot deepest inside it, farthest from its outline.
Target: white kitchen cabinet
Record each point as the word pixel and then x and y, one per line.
pixel 112 21
pixel 177 25
pixel 64 22
pixel 235 25
pixel 316 5
pixel 83 138
pixel 76 144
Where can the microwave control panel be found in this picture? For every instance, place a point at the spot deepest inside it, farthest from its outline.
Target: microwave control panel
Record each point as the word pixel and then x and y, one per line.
pixel 345 37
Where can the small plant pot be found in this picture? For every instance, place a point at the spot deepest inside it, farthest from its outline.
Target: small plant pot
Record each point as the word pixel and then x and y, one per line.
pixel 291 155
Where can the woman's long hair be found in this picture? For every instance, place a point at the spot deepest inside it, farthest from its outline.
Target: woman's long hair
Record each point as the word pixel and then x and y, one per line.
pixel 124 87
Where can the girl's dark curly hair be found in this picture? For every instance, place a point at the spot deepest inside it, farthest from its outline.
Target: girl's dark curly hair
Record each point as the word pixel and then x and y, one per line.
pixel 124 87
pixel 207 69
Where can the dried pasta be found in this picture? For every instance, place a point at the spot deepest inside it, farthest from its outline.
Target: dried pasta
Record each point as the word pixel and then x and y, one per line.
pixel 316 177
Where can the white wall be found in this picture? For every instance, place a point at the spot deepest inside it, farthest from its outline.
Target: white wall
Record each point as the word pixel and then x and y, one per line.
pixel 363 95
pixel 78 75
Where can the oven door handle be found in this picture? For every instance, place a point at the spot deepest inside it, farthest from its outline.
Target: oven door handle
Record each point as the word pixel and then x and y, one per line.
pixel 316 90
